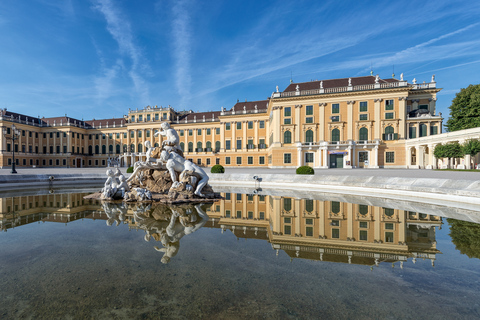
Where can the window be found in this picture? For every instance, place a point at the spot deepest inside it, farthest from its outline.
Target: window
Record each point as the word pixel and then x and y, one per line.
pixel 309 120
pixel 423 130
pixel 227 144
pixel 287 137
pixel 190 132
pixel 363 106
pixel 309 110
pixel 250 160
pixel 335 108
pixel 148 117
pixel 389 134
pixel 140 118
pixel 262 124
pixel 209 131
pixel 156 116
pixel 390 157
pixel 309 207
pixel 335 118
pixel 199 147
pixel 309 231
pixel 363 224
pixel 287 230
pixel 388 236
pixel 287 112
pixel 239 125
pixel 335 206
pixel 261 144
pixel 239 143
pixel 309 157
pixel 335 135
pixel 389 226
pixel 217 130
pixel 364 117
pixel 363 134
pixel 199 161
pixel 287 121
pixel 227 160
pixel 182 146
pixel 199 132
pixel 363 209
pixel 64 149
pixel 287 206
pixel 239 160
pixel 124 135
pixel 250 124
pixel 388 212
pixel 389 115
pixel 208 161
pixel 433 130
pixel 132 118
pixel 335 233
pixel 423 106
pixel 104 148
pixel 363 235
pixel 250 215
pixel 132 134
pixel 147 133
pixel 217 146
pixel 412 132
pixel 261 160
pixel 262 215
pixel 190 147
pixel 287 158
pixel 227 213
pixel 388 104
pixel 227 125
pixel 208 146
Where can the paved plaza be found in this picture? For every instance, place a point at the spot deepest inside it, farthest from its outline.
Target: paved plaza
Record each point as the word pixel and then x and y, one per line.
pixel 402 173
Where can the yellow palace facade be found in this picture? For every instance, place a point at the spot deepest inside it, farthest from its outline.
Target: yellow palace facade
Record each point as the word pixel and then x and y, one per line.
pixel 359 122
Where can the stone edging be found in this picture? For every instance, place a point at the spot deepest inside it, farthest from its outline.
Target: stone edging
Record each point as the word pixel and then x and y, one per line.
pixel 465 191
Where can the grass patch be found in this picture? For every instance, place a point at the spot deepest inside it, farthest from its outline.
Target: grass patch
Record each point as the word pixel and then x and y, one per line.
pixel 471 170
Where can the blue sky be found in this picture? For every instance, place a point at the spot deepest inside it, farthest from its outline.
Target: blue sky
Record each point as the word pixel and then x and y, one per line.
pixel 96 59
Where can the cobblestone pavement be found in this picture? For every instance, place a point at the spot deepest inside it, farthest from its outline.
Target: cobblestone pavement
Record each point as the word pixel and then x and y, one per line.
pixel 403 173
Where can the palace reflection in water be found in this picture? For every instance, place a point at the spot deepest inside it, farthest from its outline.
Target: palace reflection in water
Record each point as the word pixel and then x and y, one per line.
pixel 303 228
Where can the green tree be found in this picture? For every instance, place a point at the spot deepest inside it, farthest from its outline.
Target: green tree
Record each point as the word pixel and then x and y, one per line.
pixel 471 147
pixel 466 237
pixel 465 109
pixel 449 150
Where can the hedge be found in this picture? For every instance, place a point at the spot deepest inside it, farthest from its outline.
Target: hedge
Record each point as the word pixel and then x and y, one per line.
pixel 305 170
pixel 217 169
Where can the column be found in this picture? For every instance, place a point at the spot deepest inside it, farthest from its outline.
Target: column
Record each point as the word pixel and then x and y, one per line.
pixel 256 140
pixel 433 160
pixel 244 134
pixel 276 126
pixel 298 216
pixel 297 129
pixel 233 143
pixel 376 223
pixel 377 117
pixel 402 107
pixel 321 121
pixel 299 155
pixel 402 234
pixel 325 158
pixel 321 219
pixel 419 151
pixel 350 220
pixel 350 122
pixel 222 136
pixel 375 157
pixel 409 157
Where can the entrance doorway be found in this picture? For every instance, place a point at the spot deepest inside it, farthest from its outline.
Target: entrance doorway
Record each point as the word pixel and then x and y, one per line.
pixel 78 162
pixel 362 159
pixel 336 161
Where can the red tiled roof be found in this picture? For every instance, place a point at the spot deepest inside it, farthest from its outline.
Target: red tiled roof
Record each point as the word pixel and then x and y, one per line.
pixel 250 105
pixel 335 83
pixel 199 116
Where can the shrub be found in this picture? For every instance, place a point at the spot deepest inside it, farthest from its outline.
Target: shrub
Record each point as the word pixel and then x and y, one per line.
pixel 217 169
pixel 305 170
pixel 130 170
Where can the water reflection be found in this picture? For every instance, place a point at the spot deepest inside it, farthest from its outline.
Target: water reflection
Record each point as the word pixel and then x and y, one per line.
pixel 322 230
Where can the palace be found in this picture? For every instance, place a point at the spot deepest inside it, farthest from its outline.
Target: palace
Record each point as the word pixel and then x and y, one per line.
pixel 358 122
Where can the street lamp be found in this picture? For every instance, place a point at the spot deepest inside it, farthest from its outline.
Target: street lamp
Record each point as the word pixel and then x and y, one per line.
pixel 15 134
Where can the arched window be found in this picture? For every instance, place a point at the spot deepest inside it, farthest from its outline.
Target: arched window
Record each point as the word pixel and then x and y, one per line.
pixel 389 133
pixel 309 136
pixel 90 150
pixel 190 147
pixel 335 135
pixel 132 148
pixel 208 146
pixel 156 145
pixel 110 148
pixel 97 149
pixel 117 149
pixel 182 146
pixel 308 205
pixel 140 147
pixel 104 149
pixel 363 134
pixel 199 146
pixel 287 204
pixel 423 130
pixel 335 206
pixel 217 146
pixel 125 148
pixel 287 137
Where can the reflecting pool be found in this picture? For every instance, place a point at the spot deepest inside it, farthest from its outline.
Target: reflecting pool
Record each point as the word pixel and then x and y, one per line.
pixel 248 255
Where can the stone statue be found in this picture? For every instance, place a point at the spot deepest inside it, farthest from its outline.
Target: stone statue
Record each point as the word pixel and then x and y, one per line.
pixel 401 76
pixel 321 84
pixel 349 82
pixel 110 188
pixel 277 88
pixel 377 78
pixel 433 78
pixel 171 135
pixel 177 164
